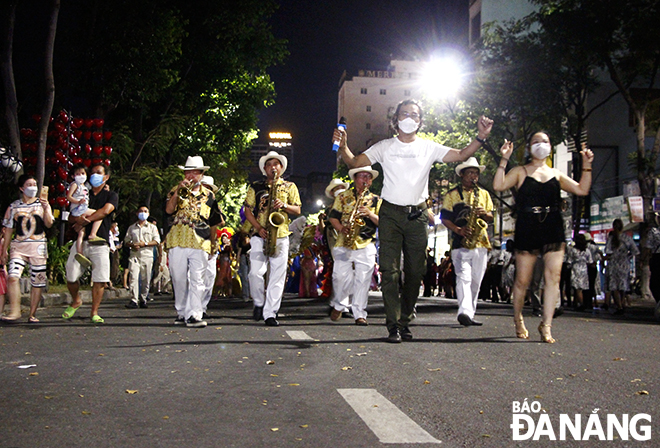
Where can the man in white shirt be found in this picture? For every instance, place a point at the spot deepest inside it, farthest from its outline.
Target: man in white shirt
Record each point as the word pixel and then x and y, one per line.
pixel 406 161
pixel 141 237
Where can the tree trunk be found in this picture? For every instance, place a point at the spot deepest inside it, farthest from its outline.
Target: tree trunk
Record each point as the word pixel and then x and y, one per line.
pixel 49 79
pixel 7 73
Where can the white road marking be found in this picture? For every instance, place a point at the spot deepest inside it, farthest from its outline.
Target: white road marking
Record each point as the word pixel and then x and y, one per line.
pixel 386 421
pixel 299 336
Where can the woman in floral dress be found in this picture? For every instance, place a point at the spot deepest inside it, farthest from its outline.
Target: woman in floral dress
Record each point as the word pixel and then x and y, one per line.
pixel 579 257
pixel 619 250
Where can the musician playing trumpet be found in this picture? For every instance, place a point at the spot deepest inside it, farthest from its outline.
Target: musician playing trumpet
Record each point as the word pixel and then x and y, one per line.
pixel 466 211
pixel 354 216
pixel 268 205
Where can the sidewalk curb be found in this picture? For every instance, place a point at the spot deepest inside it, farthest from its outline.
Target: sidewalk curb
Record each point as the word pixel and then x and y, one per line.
pixel 64 298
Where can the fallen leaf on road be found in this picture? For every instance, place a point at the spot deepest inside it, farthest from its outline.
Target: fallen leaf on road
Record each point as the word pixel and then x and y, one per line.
pixel 636 380
pixel 619 359
pixel 132 392
pixel 347 368
pixel 34 374
pixel 361 354
pixel 642 392
pixel 27 366
pixel 434 370
pixel 47 397
pixel 166 417
pixel 270 362
pixel 274 429
pixel 86 412
pixel 101 354
pixel 427 382
pixel 304 426
pixel 272 374
pixel 294 384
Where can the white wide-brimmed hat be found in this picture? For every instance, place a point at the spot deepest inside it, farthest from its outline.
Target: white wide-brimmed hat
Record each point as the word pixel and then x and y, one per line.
pixel 272 155
pixel 470 163
pixel 363 169
pixel 194 163
pixel 334 183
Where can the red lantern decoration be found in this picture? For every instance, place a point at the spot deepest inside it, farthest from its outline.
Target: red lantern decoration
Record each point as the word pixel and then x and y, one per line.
pixel 60 188
pixel 106 162
pixel 78 133
pixel 77 160
pixel 87 135
pixel 77 123
pixel 97 136
pixel 98 122
pixel 59 127
pixel 88 149
pixel 63 117
pixel 107 150
pixel 62 202
pixel 73 151
pixel 87 162
pixel 89 122
pixel 36 118
pixel 61 173
pixel 107 135
pixel 96 161
pixel 97 150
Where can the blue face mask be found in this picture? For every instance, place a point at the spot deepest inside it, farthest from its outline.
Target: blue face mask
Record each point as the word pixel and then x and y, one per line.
pixel 142 216
pixel 96 180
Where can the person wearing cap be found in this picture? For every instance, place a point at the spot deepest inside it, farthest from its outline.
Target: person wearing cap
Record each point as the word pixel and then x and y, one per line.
pixel 354 260
pixel 191 240
pixel 406 161
pixel 334 188
pixel 141 238
pixel 105 202
pixel 329 234
pixel 469 262
pixel 267 300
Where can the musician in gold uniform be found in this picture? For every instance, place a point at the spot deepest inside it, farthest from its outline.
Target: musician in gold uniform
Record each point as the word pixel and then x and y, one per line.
pixel 354 216
pixel 466 211
pixel 259 206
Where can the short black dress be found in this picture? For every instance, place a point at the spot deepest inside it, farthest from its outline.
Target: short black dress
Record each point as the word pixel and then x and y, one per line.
pixel 539 226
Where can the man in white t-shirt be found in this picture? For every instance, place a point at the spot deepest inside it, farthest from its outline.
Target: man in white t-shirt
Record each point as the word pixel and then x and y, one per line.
pixel 406 162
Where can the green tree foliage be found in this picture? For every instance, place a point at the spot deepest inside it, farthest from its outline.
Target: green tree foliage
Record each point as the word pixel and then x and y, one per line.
pixel 172 78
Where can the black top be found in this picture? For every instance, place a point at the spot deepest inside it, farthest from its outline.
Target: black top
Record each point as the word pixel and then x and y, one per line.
pixel 538 231
pixel 97 202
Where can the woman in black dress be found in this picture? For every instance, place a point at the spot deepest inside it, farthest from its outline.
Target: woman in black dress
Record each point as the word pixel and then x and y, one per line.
pixel 539 226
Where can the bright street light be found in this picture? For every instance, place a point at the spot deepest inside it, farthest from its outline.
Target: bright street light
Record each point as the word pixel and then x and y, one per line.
pixel 442 78
pixel 319 202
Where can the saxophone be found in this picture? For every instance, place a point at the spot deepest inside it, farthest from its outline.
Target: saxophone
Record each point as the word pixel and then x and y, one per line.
pixel 276 220
pixel 355 223
pixel 474 223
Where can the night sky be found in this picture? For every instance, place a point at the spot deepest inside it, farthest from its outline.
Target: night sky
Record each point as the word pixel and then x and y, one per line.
pixel 328 37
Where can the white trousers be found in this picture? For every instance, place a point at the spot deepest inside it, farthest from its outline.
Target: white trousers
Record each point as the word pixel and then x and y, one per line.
pixel 351 279
pixel 470 267
pixel 270 296
pixel 187 267
pixel 139 267
pixel 209 280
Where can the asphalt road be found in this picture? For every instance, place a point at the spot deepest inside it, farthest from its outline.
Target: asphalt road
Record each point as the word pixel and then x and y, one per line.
pixel 140 381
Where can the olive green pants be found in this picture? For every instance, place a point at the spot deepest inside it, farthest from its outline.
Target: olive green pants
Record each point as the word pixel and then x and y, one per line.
pixel 397 233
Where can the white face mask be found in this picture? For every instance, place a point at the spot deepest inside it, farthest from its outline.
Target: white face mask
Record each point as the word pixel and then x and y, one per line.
pixel 540 150
pixel 408 126
pixel 30 192
pixel 80 178
pixel 338 192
